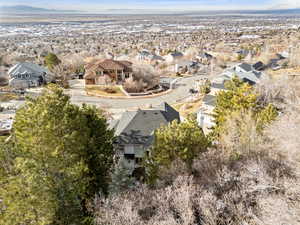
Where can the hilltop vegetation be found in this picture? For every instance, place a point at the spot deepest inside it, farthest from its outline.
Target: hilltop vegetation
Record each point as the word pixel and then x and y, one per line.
pixel 249 174
pixel 57 166
pixel 58 158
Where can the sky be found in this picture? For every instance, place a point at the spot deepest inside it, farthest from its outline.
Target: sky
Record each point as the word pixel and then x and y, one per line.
pixel 98 5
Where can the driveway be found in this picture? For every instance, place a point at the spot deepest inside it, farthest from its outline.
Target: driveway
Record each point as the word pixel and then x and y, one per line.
pixel 78 96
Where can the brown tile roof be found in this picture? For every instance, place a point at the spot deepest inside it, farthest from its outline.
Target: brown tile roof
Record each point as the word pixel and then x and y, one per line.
pixel 126 63
pixel 107 64
pixel 89 74
pixel 110 64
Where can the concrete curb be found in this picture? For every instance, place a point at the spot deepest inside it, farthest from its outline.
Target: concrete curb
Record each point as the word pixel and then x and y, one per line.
pixel 130 97
pixel 174 81
pixel 136 97
pixel 123 90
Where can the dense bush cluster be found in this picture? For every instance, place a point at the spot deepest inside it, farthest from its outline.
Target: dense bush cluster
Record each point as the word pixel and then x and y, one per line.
pixel 247 176
pixel 143 79
pixel 58 167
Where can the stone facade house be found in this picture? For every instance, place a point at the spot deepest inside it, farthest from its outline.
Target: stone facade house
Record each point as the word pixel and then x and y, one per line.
pixel 104 71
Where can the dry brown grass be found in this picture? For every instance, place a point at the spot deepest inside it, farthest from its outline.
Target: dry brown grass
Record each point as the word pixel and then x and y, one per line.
pixel 104 90
pixel 6 97
pixel 222 191
pixel 188 108
pixel 249 177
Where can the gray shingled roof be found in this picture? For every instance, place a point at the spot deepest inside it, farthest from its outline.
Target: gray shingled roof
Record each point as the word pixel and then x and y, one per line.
pixel 218 86
pixel 145 121
pixel 209 100
pixel 176 54
pixel 26 67
pixel 205 55
pixel 258 66
pixel 245 66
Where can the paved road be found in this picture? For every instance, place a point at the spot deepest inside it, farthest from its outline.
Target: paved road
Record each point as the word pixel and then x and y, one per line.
pixel 118 106
pixel 181 91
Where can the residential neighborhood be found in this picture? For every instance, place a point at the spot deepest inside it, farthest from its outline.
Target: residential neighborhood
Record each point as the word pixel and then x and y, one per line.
pixel 178 113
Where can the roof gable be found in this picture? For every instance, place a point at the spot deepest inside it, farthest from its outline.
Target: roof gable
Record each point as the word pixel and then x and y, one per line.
pixel 246 67
pixel 145 122
pixel 26 67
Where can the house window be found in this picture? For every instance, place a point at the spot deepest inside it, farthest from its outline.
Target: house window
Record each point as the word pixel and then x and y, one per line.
pixel 129 156
pixel 126 75
pixel 138 160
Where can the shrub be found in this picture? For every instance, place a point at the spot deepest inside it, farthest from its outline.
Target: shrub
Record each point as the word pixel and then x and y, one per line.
pixel 205 88
pixel 51 60
pixel 177 141
pixel 134 86
pixel 145 75
pixel 3 81
pixel 241 97
pixel 60 157
pixel 110 90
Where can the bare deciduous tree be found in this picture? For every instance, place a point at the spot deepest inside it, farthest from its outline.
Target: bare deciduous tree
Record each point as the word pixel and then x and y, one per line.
pixel 144 78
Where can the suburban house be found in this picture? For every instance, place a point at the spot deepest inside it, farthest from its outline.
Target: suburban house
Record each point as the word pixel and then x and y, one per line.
pixel 5 126
pixel 135 133
pixel 108 70
pixel 204 115
pixel 145 55
pixel 244 72
pixel 174 57
pixel 277 62
pixel 26 75
pixel 259 66
pixel 204 58
pixel 205 120
pixel 187 67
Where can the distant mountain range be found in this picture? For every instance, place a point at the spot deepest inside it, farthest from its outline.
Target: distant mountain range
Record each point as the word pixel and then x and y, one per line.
pixel 29 9
pixel 204 12
pixel 24 9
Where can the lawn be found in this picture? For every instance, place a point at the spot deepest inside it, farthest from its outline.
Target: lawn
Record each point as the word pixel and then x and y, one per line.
pixel 104 90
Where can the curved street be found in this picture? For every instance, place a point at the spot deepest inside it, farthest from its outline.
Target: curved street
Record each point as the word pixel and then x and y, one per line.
pixel 118 106
pixel 181 91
